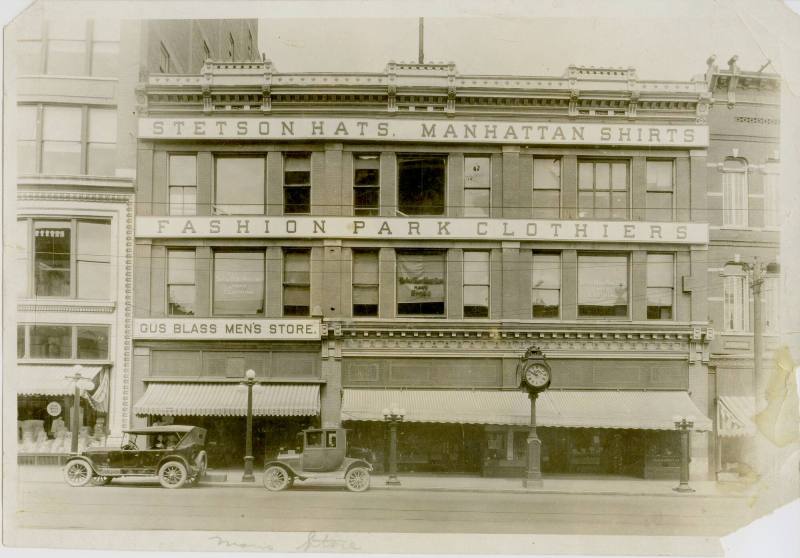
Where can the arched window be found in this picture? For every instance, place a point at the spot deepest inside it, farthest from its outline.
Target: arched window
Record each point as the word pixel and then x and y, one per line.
pixel 734 193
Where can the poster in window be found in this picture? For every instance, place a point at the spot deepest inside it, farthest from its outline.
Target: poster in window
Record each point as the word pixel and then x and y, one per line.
pixel 420 278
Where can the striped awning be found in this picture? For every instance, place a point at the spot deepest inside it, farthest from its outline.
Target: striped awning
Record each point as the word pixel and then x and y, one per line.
pixel 653 410
pixel 228 400
pixel 735 416
pixel 49 380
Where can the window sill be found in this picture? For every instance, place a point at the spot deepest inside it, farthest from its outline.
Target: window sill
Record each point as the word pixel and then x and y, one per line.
pixel 66 361
pixel 55 304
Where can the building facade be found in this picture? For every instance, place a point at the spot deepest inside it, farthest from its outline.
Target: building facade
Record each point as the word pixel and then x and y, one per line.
pixel 72 84
pixel 400 239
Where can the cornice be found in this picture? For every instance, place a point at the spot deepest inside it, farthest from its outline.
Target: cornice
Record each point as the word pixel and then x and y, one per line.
pixel 77 307
pixel 24 195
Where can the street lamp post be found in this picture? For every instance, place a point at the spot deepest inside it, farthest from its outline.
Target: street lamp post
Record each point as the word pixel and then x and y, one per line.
pixel 684 425
pixel 533 375
pixel 393 417
pixel 75 420
pixel 250 381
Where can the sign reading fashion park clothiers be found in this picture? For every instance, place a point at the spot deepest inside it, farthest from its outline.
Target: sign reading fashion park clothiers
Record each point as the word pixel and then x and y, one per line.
pixel 520 132
pixel 230 329
pixel 377 228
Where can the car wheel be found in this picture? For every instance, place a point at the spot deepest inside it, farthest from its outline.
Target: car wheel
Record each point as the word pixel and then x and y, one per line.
pixel 172 474
pixel 357 479
pixel 202 464
pixel 78 473
pixel 276 478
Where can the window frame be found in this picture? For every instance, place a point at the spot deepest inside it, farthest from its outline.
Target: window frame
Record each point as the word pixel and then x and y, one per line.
pixel 730 195
pixel 610 162
pixel 171 250
pixel 672 191
pixel 487 285
pixel 376 286
pixel 294 284
pixel 560 289
pixel 628 301
pixel 239 250
pixel 182 187
pixel 534 188
pixel 287 155
pixel 73 357
pixel 488 189
pixel 736 288
pixel 411 251
pixel 216 210
pixel 367 211
pixel 399 158
pixel 672 288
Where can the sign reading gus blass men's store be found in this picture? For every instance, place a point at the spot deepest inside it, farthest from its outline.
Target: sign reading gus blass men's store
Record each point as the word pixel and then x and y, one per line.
pixel 376 228
pixel 226 329
pixel 424 130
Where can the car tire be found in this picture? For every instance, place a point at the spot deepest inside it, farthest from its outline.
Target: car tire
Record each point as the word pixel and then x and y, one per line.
pixel 78 473
pixel 172 474
pixel 202 464
pixel 277 479
pixel 357 479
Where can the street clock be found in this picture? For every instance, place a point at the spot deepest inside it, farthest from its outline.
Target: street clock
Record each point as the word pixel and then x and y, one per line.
pixel 533 373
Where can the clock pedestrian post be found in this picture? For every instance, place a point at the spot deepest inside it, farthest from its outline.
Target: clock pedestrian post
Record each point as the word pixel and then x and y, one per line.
pixel 533 375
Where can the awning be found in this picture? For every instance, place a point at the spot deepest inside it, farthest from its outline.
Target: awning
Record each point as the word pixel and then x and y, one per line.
pixel 735 416
pixel 49 380
pixel 228 400
pixel 652 410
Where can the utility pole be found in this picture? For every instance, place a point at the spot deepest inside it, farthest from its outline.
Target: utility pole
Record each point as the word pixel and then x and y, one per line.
pixel 421 40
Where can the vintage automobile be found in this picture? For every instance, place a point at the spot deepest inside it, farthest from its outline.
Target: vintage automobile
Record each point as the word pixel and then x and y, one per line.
pixel 175 453
pixel 324 457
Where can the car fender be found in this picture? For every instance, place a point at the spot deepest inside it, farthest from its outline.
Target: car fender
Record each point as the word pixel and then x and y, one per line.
pixel 291 470
pixel 85 460
pixel 350 463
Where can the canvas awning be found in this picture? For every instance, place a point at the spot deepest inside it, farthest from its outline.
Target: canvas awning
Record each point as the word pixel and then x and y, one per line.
pixel 735 416
pixel 652 410
pixel 228 400
pixel 49 380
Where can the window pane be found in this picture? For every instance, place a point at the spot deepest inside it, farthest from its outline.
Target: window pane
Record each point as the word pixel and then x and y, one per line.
pixel 366 198
pixel 619 205
pixel 619 176
pixel 585 176
pixel 476 203
pixel 101 159
pixel 546 174
pixel 659 206
pixel 602 285
pixel 62 123
pixel 52 258
pixel 659 175
pixel 297 162
pixel 660 270
pixel 546 204
pixel 420 282
pixel 602 205
pixel 476 295
pixel 93 342
pixel 297 199
pixel 183 170
pixel 477 172
pixel 297 267
pixel 238 283
pixel 547 271
pixel 602 176
pixel 94 280
pixel 659 303
pixel 51 341
pixel 182 200
pixel 421 184
pixel 365 295
pixel 366 177
pixel 61 149
pixel 66 58
pixel 585 204
pixel 105 29
pixel 296 301
pixel 94 240
pixel 181 266
pixel 61 157
pixel 365 268
pixel 29 57
pixel 26 139
pixel 103 125
pixel 181 300
pixel 476 268
pixel 545 303
pixel 240 185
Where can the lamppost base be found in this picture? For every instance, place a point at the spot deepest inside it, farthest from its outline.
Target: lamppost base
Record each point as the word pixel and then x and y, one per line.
pixel 684 488
pixel 248 470
pixel 393 481
pixel 532 483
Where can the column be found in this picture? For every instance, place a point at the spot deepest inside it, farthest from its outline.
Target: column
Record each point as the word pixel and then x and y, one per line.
pixel 205 183
pixel 638 184
pixel 160 194
pixel 455 283
pixel 388 195
pixel 637 290
pixel 511 281
pixel 142 262
pixel 326 192
pixel 332 279
pixel 275 183
pixel 274 282
pixel 158 282
pixel 386 264
pixel 455 185
pixel 204 264
pixel 569 187
pixel 512 204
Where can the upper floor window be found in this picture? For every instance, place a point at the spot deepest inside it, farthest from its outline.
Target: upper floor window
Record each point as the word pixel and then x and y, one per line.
pixel 476 284
pixel 365 282
pixel 736 303
pixel 771 195
pixel 366 184
pixel 660 286
pixel 603 189
pixel 231 47
pixel 71 258
pixel 421 184
pixel 182 185
pixel 27 136
pixel 181 288
pixel 546 188
pixel 66 48
pixel 239 185
pixel 238 282
pixel 546 286
pixel 101 144
pixel 602 285
pixel 64 342
pixel 296 282
pixel 29 44
pixel 420 282
pixel 734 193
pixel 660 190
pixel 297 183
pixel 477 186
pixel 105 47
pixel 61 140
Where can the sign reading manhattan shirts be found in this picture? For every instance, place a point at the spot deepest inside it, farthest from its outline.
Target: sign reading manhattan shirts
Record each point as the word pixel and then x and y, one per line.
pixel 377 228
pixel 424 130
pixel 222 328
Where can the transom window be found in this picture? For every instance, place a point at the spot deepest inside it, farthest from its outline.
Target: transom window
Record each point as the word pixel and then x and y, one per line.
pixel 296 282
pixel 297 183
pixel 602 285
pixel 421 184
pixel 734 193
pixel 365 282
pixel 546 188
pixel 239 186
pixel 477 186
pixel 546 286
pixel 603 189
pixel 660 286
pixel 183 185
pixel 476 284
pixel 421 282
pixel 366 184
pixel 238 283
pixel 660 190
pixel 63 342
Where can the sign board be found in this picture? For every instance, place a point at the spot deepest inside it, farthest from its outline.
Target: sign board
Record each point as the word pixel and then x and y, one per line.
pixel 54 408
pixel 428 130
pixel 85 384
pixel 227 329
pixel 391 228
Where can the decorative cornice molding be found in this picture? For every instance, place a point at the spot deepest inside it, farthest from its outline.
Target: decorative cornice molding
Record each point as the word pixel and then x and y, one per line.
pixel 25 195
pixel 69 308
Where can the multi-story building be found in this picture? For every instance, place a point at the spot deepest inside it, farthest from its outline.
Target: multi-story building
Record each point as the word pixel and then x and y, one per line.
pixel 73 106
pixel 400 239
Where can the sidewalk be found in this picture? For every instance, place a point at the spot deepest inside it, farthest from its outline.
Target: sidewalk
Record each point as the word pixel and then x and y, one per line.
pixel 588 485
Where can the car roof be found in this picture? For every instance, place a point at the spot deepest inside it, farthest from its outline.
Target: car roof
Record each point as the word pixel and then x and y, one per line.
pixel 160 429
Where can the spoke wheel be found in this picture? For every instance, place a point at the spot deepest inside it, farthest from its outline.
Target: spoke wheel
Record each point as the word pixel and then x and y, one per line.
pixel 172 474
pixel 202 464
pixel 276 478
pixel 357 479
pixel 78 473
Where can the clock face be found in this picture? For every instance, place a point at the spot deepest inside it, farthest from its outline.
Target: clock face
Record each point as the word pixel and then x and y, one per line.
pixel 537 375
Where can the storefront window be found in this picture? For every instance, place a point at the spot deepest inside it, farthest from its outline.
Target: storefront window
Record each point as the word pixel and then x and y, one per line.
pixel 239 186
pixel 94 260
pixel 477 186
pixel 181 282
pixel 546 289
pixel 365 282
pixel 546 188
pixel 602 285
pixel 366 184
pixel 660 286
pixel 660 188
pixel 183 185
pixel 52 258
pixel 602 190
pixel 297 183
pixel 92 342
pixel 420 282
pixel 476 284
pixel 102 142
pixel 67 342
pixel 296 282
pixel 61 140
pixel 238 283
pixel 421 184
pixel 51 341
